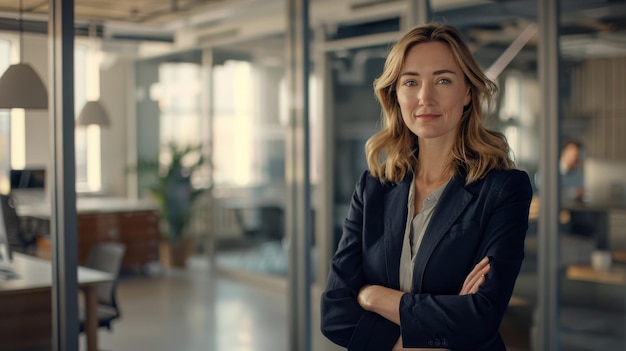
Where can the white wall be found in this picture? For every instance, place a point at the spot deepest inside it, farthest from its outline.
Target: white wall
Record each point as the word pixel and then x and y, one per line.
pixel 116 95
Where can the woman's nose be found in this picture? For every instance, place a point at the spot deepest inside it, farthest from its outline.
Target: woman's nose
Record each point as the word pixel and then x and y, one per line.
pixel 425 95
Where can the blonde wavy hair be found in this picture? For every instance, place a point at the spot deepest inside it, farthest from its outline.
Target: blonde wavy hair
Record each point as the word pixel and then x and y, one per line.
pixel 393 151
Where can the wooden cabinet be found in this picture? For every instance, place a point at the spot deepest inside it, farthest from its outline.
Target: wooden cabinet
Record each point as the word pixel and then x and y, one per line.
pixel 26 320
pixel 135 223
pixel 138 230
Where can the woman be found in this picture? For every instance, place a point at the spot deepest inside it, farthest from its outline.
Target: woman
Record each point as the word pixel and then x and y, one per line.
pixel 438 208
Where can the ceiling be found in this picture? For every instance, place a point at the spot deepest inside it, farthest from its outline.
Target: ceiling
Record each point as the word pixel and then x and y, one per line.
pixel 155 12
pixel 588 27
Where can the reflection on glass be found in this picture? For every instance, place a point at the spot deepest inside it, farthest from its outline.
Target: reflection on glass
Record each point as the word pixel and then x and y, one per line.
pixel 249 159
pixel 593 211
pixel 178 95
pixel 234 123
pixel 5 125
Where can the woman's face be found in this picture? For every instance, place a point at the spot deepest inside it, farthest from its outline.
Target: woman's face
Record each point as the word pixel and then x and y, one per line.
pixel 432 92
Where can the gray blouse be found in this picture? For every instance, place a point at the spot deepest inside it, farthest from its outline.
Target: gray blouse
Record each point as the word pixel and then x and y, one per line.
pixel 416 225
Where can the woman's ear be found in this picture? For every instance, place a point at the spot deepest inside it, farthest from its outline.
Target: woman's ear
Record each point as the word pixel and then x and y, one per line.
pixel 468 97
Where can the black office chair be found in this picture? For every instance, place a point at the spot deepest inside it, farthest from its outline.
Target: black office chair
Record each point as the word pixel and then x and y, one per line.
pixel 21 237
pixel 106 257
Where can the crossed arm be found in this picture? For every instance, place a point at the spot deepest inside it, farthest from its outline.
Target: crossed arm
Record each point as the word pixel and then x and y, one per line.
pixel 373 317
pixel 385 301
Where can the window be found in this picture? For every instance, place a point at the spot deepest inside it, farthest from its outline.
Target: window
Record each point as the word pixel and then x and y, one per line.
pixel 234 125
pixel 5 124
pixel 178 94
pixel 87 143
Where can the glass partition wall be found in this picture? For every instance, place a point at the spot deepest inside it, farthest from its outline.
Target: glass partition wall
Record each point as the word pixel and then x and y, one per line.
pixel 592 169
pixel 248 129
pixel 591 249
pixel 249 126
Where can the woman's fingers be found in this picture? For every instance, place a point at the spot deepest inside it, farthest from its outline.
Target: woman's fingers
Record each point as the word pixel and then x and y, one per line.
pixel 479 281
pixel 476 277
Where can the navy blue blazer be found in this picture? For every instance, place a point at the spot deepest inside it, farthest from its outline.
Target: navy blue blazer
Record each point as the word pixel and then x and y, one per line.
pixel 488 217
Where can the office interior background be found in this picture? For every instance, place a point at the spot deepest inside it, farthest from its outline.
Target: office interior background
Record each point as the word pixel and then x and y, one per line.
pixel 214 75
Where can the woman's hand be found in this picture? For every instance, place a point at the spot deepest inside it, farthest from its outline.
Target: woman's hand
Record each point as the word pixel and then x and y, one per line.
pixel 381 300
pixel 364 297
pixel 476 277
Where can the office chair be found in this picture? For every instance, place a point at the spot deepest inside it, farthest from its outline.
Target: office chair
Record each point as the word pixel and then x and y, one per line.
pixel 106 257
pixel 21 237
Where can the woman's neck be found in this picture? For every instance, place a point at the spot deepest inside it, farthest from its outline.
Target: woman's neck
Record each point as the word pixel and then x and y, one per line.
pixel 434 165
pixel 431 174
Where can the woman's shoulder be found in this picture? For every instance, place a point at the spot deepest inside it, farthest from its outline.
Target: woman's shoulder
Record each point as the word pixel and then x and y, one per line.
pixel 514 179
pixel 369 183
pixel 507 173
pixel 366 177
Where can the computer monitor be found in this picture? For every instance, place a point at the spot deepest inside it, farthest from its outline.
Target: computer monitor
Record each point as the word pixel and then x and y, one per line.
pixel 33 178
pixel 28 186
pixel 605 182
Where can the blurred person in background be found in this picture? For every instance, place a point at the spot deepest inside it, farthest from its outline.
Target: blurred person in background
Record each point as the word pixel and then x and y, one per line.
pixel 574 218
pixel 571 171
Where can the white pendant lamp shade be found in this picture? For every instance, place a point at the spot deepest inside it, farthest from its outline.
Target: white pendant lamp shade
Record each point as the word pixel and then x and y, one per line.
pixel 93 113
pixel 21 87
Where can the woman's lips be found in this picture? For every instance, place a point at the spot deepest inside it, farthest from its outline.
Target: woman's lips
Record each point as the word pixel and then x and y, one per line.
pixel 428 116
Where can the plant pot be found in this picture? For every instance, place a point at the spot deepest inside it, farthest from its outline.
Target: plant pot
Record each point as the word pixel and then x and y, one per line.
pixel 175 254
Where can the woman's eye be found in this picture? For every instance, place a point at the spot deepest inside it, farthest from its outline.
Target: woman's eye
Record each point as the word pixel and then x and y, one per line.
pixel 444 81
pixel 409 83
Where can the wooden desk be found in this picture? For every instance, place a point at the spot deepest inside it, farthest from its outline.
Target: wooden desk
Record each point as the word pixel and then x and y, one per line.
pixel 26 318
pixel 582 272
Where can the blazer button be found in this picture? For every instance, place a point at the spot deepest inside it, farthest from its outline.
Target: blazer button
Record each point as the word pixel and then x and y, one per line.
pixel 437 342
pixel 444 342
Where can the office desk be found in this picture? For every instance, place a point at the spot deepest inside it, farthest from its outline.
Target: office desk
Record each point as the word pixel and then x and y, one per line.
pixel 582 272
pixel 615 276
pixel 134 223
pixel 25 302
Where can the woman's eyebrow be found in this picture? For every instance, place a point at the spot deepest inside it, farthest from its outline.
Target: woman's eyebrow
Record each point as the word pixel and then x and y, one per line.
pixel 443 71
pixel 435 73
pixel 409 73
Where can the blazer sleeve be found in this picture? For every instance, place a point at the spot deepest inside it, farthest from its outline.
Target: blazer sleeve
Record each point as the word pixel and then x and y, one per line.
pixel 343 320
pixel 471 322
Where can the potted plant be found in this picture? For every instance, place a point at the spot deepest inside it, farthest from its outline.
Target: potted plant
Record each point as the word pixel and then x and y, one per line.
pixel 174 193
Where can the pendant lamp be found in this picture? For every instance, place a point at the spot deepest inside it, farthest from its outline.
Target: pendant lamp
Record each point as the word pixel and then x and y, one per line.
pixel 93 113
pixel 20 86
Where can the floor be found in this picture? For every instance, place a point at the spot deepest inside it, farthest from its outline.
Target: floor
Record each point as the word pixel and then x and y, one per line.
pixel 196 309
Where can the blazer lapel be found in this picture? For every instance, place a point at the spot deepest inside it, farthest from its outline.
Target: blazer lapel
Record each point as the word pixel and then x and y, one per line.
pixel 452 202
pixel 395 213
